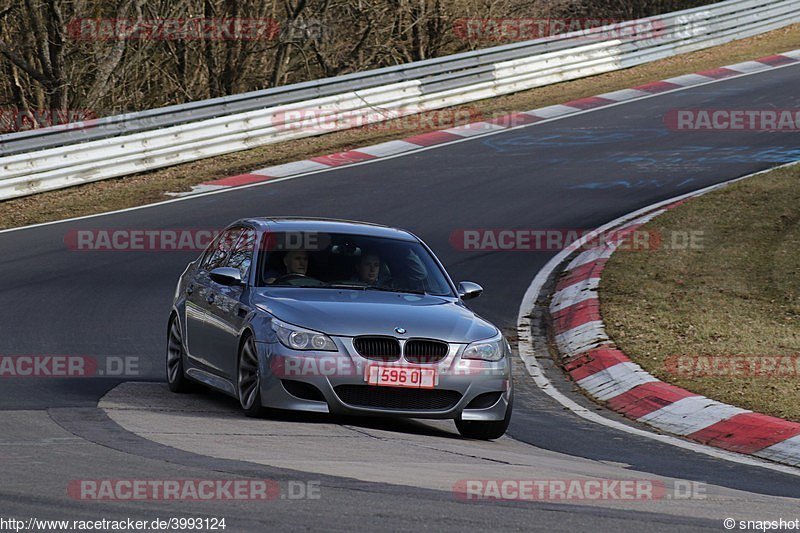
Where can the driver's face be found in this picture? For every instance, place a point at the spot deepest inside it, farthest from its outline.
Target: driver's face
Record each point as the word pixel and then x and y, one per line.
pixel 296 262
pixel 368 268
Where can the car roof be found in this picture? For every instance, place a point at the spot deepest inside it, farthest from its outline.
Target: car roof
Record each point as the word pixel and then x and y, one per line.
pixel 328 225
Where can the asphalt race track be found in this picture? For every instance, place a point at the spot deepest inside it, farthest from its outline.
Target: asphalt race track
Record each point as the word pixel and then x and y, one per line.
pixel 577 172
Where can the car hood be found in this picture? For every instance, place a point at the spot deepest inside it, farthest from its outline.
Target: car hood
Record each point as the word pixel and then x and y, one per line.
pixel 350 313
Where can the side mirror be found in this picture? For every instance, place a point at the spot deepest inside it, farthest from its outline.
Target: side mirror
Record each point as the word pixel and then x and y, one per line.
pixel 468 290
pixel 226 276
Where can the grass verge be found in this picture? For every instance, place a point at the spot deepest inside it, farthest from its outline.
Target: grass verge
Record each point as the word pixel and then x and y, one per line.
pixel 139 189
pixel 721 318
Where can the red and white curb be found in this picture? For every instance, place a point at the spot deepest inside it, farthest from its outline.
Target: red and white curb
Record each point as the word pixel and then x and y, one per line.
pixel 608 375
pixel 513 120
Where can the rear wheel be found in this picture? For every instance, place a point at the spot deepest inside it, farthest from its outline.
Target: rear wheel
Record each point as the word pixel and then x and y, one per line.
pixel 248 379
pixel 176 377
pixel 476 429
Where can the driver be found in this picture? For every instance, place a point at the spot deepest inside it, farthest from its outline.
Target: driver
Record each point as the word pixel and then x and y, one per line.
pixel 295 262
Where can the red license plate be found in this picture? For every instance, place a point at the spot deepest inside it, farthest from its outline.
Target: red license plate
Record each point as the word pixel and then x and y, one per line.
pixel 401 376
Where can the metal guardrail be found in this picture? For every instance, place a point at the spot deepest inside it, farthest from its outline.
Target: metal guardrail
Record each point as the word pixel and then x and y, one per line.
pixel 58 157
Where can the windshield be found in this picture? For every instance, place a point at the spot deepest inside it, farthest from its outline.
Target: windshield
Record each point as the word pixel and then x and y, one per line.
pixel 336 260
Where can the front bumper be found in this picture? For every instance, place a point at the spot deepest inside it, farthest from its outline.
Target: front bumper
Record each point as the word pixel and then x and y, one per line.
pixel 469 389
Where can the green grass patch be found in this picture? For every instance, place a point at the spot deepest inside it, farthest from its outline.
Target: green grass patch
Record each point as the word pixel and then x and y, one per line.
pixel 723 308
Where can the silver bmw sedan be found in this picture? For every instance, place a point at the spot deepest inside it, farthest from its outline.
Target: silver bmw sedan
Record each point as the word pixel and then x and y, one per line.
pixel 339 317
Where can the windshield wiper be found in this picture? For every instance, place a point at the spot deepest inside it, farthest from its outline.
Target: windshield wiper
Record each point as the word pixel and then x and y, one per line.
pixel 372 288
pixel 393 289
pixel 346 286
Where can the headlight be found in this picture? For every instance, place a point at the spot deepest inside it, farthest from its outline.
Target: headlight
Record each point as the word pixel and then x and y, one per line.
pixel 297 338
pixel 486 350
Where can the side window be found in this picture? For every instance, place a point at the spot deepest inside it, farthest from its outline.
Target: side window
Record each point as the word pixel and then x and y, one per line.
pixel 218 251
pixel 206 257
pixel 242 253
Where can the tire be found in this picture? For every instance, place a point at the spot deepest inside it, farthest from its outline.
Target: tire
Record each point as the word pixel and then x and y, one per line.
pixel 474 429
pixel 176 355
pixel 248 380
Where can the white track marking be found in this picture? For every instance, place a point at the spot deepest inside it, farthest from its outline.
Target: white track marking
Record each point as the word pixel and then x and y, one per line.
pixel 688 80
pixel 287 169
pixel 590 256
pixel 575 293
pixel 787 450
pixel 387 148
pixel 554 111
pixel 615 380
pixel 624 94
pixel 475 128
pixel 749 67
pixel 691 414
pixel 581 338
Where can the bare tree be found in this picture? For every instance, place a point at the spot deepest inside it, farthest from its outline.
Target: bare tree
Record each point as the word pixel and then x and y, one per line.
pixel 45 66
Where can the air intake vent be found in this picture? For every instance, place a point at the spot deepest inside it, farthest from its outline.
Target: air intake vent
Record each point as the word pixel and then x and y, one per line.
pixel 378 348
pixel 425 351
pixel 397 398
pixel 301 390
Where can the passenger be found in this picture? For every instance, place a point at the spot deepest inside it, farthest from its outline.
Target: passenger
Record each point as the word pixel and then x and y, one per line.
pixel 368 268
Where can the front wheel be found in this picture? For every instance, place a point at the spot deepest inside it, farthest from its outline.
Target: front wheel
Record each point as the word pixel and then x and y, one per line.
pixel 176 376
pixel 480 430
pixel 248 380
